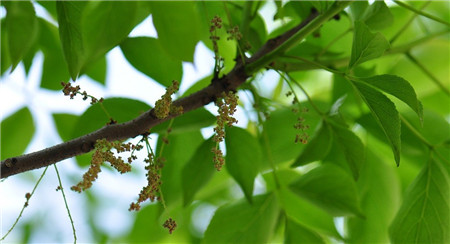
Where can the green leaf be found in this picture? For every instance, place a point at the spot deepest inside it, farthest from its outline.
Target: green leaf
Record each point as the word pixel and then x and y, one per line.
pixel 379 188
pixel 399 88
pixel 54 69
pixel 242 222
pixel 366 45
pixel 352 147
pixel 317 148
pixel 17 131
pixel 385 114
pixel 243 159
pixel 424 216
pixel 69 21
pixel 97 70
pixel 22 27
pixel 378 16
pixel 177 26
pixel 65 124
pixel 177 153
pixel 105 25
pixel 147 55
pixel 297 233
pixel 307 214
pixel 6 60
pixel 191 121
pixel 121 110
pixel 198 171
pixel 331 188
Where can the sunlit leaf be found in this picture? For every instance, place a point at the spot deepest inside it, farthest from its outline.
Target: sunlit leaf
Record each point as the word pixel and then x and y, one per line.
pixel 177 26
pixel 4 52
pixel 242 222
pixel 385 113
pixel 97 70
pixel 22 27
pixel 366 45
pixel 147 55
pixel 330 188
pixel 243 159
pixel 197 171
pixel 17 131
pixel 399 88
pixel 424 216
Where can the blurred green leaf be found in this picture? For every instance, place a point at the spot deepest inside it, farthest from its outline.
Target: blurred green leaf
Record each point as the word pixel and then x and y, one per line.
pixel 191 121
pixel 97 70
pixel 352 147
pixel 385 113
pixel 242 222
pixel 177 153
pixel 317 148
pixel 54 69
pixel 399 88
pixel 307 214
pixel 147 55
pixel 121 110
pixel 330 188
pixel 297 233
pixel 6 60
pixel 65 124
pixel 366 45
pixel 17 131
pixel 379 188
pixel 243 159
pixel 197 171
pixel 69 21
pixel 424 216
pixel 378 16
pixel 177 26
pixel 22 27
pixel 97 21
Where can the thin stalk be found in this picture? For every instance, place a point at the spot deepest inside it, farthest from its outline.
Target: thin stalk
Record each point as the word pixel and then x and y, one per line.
pixel 415 132
pixel 337 7
pixel 316 64
pixel 419 12
pixel 406 25
pixel 25 205
pixel 428 73
pixel 67 206
pixel 313 105
pixel 332 42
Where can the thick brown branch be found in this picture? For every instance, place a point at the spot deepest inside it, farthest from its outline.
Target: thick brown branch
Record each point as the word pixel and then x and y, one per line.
pixel 144 122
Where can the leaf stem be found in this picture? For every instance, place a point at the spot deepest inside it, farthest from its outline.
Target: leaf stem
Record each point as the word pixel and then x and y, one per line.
pixel 414 131
pixel 316 64
pixel 419 12
pixel 427 72
pixel 332 42
pixel 65 203
pixel 25 205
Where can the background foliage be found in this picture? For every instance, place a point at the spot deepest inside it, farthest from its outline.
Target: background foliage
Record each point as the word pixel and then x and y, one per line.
pixel 371 92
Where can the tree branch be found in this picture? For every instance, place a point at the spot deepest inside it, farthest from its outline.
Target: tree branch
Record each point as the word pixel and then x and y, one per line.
pixel 142 124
